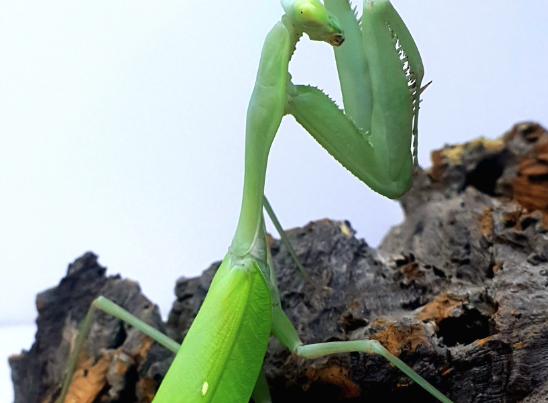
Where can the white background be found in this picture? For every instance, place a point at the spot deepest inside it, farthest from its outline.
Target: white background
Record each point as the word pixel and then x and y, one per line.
pixel 122 130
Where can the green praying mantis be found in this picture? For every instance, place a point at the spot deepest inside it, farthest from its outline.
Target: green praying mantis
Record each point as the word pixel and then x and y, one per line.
pixel 375 138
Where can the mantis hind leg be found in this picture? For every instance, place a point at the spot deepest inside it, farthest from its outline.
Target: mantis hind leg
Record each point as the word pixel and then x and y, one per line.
pixel 312 351
pixel 286 333
pixel 105 305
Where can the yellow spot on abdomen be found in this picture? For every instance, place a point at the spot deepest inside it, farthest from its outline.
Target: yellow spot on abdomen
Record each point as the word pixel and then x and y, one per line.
pixel 204 388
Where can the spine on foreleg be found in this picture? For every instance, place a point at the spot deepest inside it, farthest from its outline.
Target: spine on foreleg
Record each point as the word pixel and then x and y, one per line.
pixel 396 73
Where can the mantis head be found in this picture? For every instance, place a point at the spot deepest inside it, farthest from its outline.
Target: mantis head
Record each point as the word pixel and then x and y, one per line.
pixel 312 18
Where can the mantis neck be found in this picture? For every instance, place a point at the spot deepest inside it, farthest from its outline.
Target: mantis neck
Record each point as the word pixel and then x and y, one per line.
pixel 266 109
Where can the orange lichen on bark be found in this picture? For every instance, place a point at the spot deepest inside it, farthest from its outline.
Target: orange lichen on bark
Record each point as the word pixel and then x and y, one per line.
pixel 337 376
pixel 497 267
pixel 447 371
pixel 436 171
pixel 146 344
pixel 512 218
pixel 441 307
pixel 379 322
pixel 146 389
pixel 531 182
pixel 90 379
pixel 519 345
pixel 87 382
pixel 486 222
pixel 453 154
pixel 411 271
pixel 394 339
pixel 121 366
pixel 481 342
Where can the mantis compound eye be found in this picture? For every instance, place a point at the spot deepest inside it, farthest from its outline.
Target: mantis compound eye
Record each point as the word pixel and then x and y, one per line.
pixel 312 18
pixel 309 12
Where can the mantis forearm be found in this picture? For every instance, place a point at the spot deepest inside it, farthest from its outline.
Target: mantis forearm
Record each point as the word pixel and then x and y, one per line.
pixel 339 136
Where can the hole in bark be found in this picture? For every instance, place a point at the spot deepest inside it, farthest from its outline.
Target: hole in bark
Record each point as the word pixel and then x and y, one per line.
pixel 491 270
pixel 419 228
pixel 484 177
pixel 128 393
pixel 526 222
pixel 538 178
pixel 464 329
pixel 509 223
pixel 120 337
pixel 412 304
pixel 351 323
pixel 438 272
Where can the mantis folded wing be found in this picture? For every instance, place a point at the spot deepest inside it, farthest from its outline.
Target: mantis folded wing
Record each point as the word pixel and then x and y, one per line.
pixel 380 72
pixel 232 331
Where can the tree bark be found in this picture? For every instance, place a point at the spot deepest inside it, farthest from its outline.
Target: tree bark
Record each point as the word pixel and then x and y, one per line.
pixel 458 291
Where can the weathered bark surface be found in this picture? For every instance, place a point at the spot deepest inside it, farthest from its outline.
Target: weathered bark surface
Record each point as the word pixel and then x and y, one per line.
pixel 118 363
pixel 458 291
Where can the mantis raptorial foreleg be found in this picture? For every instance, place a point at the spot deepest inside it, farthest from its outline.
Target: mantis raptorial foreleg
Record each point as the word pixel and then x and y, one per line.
pixel 381 88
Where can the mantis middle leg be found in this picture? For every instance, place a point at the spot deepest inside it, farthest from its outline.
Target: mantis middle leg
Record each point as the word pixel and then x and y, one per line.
pixel 260 394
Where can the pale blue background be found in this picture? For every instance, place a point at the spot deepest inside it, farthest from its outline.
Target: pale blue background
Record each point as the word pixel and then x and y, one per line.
pixel 122 130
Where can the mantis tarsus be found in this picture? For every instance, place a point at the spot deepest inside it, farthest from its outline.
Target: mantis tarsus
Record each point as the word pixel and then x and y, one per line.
pixel 380 71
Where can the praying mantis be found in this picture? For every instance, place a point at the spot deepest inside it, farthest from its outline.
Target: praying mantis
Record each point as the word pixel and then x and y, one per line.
pixel 380 72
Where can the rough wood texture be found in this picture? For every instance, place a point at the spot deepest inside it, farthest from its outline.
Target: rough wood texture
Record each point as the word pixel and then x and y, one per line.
pixel 458 291
pixel 119 364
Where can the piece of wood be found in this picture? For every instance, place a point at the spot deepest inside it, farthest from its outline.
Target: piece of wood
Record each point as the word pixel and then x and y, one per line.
pixel 459 291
